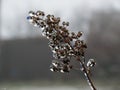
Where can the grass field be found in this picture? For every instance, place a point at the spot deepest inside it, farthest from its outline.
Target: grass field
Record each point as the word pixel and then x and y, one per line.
pixel 56 86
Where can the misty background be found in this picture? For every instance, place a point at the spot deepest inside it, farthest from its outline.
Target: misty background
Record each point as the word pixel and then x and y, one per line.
pixel 26 57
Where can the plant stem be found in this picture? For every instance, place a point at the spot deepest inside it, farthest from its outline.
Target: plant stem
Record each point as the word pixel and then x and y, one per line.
pixel 89 81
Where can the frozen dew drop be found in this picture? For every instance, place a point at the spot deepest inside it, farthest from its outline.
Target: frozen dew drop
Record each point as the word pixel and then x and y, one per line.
pixel 62 56
pixel 48 37
pixel 42 28
pixel 62 71
pixel 28 17
pixel 91 63
pixel 51 69
pixel 35 24
pixel 54 69
pixel 55 63
pixel 53 50
pixel 44 32
pixel 55 55
pixel 56 47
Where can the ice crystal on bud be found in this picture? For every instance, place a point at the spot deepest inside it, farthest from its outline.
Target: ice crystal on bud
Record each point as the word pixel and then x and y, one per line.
pixel 91 63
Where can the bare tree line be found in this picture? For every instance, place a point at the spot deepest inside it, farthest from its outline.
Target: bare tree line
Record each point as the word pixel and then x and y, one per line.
pixel 104 41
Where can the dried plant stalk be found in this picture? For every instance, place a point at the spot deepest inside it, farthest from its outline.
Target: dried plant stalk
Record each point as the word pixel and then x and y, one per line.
pixel 63 44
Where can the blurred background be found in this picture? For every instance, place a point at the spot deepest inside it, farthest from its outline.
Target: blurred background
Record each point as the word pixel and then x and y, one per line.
pixel 25 56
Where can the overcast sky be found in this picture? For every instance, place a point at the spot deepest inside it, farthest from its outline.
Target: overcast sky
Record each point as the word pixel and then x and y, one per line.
pixel 12 10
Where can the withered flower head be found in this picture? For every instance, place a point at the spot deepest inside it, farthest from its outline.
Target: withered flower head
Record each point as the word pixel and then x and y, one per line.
pixel 63 44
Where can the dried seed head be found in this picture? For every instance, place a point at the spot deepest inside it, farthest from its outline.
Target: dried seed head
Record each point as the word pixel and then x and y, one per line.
pixel 63 44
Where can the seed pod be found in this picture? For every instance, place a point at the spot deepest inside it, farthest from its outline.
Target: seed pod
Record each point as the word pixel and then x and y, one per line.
pixel 58 20
pixel 67 23
pixel 31 13
pixel 43 14
pixel 35 23
pixel 71 52
pixel 66 68
pixel 79 34
pixel 63 23
pixel 62 53
pixel 66 61
pixel 38 13
pixel 84 46
pixel 73 35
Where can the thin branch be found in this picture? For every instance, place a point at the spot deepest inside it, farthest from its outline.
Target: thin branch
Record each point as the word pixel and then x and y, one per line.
pixel 89 81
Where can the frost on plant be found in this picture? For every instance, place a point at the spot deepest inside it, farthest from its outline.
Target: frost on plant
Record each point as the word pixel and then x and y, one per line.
pixel 64 44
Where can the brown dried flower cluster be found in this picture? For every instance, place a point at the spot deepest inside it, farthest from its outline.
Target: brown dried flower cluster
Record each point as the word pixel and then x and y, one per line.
pixel 63 44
